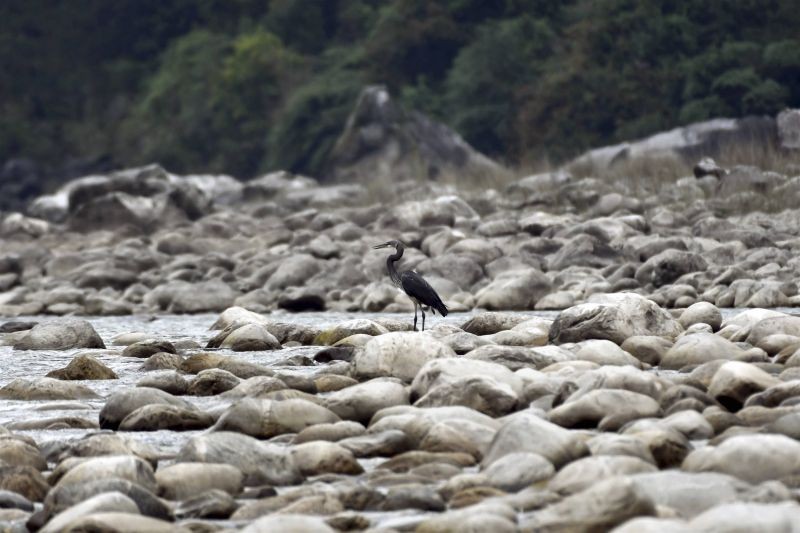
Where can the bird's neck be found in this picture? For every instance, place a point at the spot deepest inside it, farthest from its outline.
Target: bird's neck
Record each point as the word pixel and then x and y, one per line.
pixel 392 267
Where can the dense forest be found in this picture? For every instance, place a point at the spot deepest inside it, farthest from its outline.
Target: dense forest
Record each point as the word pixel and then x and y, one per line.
pixel 243 86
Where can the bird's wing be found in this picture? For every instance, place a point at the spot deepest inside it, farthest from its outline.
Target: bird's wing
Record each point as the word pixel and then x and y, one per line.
pixel 416 287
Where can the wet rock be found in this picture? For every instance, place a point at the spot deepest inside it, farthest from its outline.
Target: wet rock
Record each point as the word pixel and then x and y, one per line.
pixel 482 393
pixel 689 493
pixel 398 354
pixel 212 503
pixel 384 443
pixel 484 516
pixel 735 382
pixel 412 496
pixel 582 474
pixel 184 480
pixel 146 348
pixel 168 381
pixel 647 349
pixel 608 409
pixel 516 471
pixel 108 443
pixel 787 325
pixel 237 314
pixel 201 297
pixel 17 452
pixel 24 480
pixel 600 507
pixel 66 496
pixel 614 317
pixel 604 352
pixel 13 326
pixel 128 467
pixel 669 265
pixel 122 403
pixel 154 417
pixel 739 516
pixel 250 338
pixel 514 290
pixel 162 361
pixel 701 313
pixel 556 444
pixel 212 381
pixel 360 402
pixel 45 389
pixel 752 458
pixel 83 366
pixel 64 334
pixel 322 457
pixel 329 432
pixel 700 348
pixel 333 383
pixel 266 418
pixel 261 463
pixel 13 500
pixel 289 523
pixel 107 502
pixel 123 523
pixel 492 322
pixel 518 357
pixel 624 445
pixel 342 330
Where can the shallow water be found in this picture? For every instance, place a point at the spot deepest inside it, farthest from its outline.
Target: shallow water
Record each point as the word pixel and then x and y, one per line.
pixel 32 364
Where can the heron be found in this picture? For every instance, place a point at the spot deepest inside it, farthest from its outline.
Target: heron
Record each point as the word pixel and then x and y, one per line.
pixel 411 283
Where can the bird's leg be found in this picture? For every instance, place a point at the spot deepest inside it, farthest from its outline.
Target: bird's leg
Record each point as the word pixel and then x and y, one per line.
pixel 423 317
pixel 415 317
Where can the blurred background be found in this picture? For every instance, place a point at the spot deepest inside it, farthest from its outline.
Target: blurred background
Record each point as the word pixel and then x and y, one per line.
pixel 243 87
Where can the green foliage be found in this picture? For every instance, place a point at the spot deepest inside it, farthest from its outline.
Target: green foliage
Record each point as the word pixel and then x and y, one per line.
pixel 243 86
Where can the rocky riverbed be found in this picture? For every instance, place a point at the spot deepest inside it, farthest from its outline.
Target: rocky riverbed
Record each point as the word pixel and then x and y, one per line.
pixel 612 414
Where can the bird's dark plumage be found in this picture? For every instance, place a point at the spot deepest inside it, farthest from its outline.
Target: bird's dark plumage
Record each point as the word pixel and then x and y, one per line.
pixel 414 285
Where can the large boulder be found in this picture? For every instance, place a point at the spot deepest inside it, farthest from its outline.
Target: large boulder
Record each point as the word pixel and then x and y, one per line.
pixel 699 348
pixel 382 140
pixel 260 462
pixel 753 458
pixel 669 265
pixel 266 418
pixel 398 354
pixel 514 290
pixel 614 317
pixel 558 445
pixel 63 334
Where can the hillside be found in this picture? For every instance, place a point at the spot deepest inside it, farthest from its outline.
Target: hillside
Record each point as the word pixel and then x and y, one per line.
pixel 244 87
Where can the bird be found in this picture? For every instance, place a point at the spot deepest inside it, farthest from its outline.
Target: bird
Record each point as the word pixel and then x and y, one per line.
pixel 411 283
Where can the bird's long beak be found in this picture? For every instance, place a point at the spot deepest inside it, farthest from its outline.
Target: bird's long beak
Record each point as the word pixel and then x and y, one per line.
pixel 384 245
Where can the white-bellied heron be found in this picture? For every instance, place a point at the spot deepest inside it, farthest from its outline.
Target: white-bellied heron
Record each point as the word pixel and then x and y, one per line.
pixel 411 283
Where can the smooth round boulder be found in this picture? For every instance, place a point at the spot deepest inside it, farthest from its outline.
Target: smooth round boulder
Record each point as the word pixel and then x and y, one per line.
pixel 212 381
pixel 145 348
pixel 122 403
pixel 647 348
pixel 701 313
pixel 288 523
pixel 63 334
pixel 753 458
pixel 490 322
pixel 582 474
pixel 45 389
pixel 556 444
pixel 515 471
pixel 84 367
pixel 184 480
pixel 63 497
pixel 323 457
pixel 123 523
pixel 609 409
pixel 15 451
pixel 359 402
pixel 128 467
pixel 398 354
pixel 699 348
pixel 260 462
pixel 154 417
pixel 169 381
pixel 613 317
pixel 266 418
pixel 342 330
pixel 250 338
pixel 517 289
pixel 105 502
pixel 734 382
pixel 24 480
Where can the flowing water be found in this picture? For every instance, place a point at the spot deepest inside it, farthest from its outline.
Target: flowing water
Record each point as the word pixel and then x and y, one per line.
pixel 176 328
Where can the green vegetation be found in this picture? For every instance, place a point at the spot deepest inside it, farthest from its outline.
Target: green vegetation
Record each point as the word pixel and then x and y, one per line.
pixel 244 86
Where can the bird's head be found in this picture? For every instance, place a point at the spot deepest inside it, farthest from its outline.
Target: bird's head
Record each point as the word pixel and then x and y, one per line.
pixel 390 244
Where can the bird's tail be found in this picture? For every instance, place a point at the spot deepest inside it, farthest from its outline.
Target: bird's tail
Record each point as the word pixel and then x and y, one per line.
pixel 440 307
